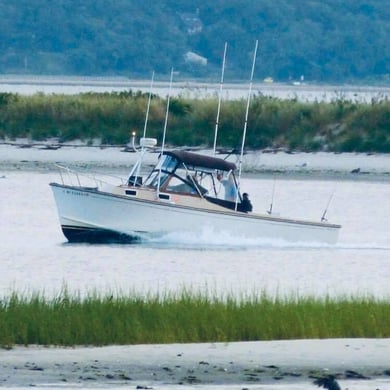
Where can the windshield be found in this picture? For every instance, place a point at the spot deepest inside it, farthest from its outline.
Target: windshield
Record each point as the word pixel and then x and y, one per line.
pixel 167 165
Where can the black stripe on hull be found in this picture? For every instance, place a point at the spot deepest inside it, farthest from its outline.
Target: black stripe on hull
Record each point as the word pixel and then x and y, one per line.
pixel 97 236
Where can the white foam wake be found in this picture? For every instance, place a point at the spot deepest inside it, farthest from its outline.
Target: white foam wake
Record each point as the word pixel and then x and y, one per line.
pixel 211 239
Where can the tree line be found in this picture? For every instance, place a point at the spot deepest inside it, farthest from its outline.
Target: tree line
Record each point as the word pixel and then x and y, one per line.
pixel 327 41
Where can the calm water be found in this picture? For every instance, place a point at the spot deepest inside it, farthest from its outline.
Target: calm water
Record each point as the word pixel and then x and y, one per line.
pixel 28 85
pixel 36 257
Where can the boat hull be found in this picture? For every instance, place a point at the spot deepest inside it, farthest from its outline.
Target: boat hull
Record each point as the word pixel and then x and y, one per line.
pixel 96 235
pixel 89 215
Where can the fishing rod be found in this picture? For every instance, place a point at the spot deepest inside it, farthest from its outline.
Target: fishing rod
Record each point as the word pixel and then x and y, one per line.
pixel 323 218
pixel 219 99
pixel 272 198
pixel 246 119
pixel 165 129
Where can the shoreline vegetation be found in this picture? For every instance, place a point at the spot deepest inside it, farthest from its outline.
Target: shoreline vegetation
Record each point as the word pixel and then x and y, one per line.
pixel 273 123
pixel 185 317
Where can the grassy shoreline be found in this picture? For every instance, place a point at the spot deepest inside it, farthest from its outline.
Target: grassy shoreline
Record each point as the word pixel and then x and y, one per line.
pixel 186 317
pixel 339 126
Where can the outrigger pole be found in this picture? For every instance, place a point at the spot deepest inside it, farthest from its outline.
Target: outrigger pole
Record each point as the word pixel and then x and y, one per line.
pixel 246 120
pixel 219 99
pixel 135 172
pixel 165 129
pixel 145 126
pixel 148 107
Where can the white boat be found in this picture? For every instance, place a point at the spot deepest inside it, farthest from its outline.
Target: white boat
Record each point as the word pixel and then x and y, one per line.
pixel 182 193
pixel 185 192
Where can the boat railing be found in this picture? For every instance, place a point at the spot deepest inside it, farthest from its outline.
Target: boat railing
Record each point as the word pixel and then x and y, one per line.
pixel 89 179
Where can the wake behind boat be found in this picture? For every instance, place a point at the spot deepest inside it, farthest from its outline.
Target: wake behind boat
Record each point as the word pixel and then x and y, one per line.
pixel 184 192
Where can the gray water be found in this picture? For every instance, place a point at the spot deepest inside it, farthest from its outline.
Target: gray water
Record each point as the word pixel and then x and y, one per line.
pixel 36 257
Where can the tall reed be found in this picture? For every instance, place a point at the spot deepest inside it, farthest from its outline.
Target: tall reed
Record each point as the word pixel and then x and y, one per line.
pixel 185 317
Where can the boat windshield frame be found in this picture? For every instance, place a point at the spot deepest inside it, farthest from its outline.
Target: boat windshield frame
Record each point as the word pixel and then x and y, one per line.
pixel 185 172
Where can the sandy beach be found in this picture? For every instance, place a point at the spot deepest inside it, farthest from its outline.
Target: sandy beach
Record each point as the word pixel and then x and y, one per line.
pixel 22 155
pixel 365 361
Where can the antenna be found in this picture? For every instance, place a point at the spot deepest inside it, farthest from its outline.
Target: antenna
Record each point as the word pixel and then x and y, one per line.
pixel 165 128
pixel 219 99
pixel 246 118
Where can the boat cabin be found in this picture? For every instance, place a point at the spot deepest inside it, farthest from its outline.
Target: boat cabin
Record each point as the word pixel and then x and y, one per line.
pixel 189 174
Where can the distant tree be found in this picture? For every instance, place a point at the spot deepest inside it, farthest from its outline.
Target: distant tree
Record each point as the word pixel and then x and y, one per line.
pixel 327 41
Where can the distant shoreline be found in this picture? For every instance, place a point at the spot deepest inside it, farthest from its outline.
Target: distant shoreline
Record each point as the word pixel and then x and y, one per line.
pixel 192 88
pixel 185 83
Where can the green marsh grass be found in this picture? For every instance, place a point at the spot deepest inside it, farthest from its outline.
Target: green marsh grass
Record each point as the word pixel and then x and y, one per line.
pixel 185 317
pixel 340 125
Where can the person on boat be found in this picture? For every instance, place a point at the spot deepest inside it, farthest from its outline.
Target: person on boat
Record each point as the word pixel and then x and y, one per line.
pixel 246 204
pixel 229 186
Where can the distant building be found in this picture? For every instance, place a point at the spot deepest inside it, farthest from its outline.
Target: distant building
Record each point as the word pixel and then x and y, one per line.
pixel 192 22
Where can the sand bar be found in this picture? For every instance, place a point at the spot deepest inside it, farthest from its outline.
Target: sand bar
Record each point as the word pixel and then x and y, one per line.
pixel 294 361
pixel 43 157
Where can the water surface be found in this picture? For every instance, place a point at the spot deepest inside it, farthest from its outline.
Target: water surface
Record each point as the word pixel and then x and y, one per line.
pixel 36 256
